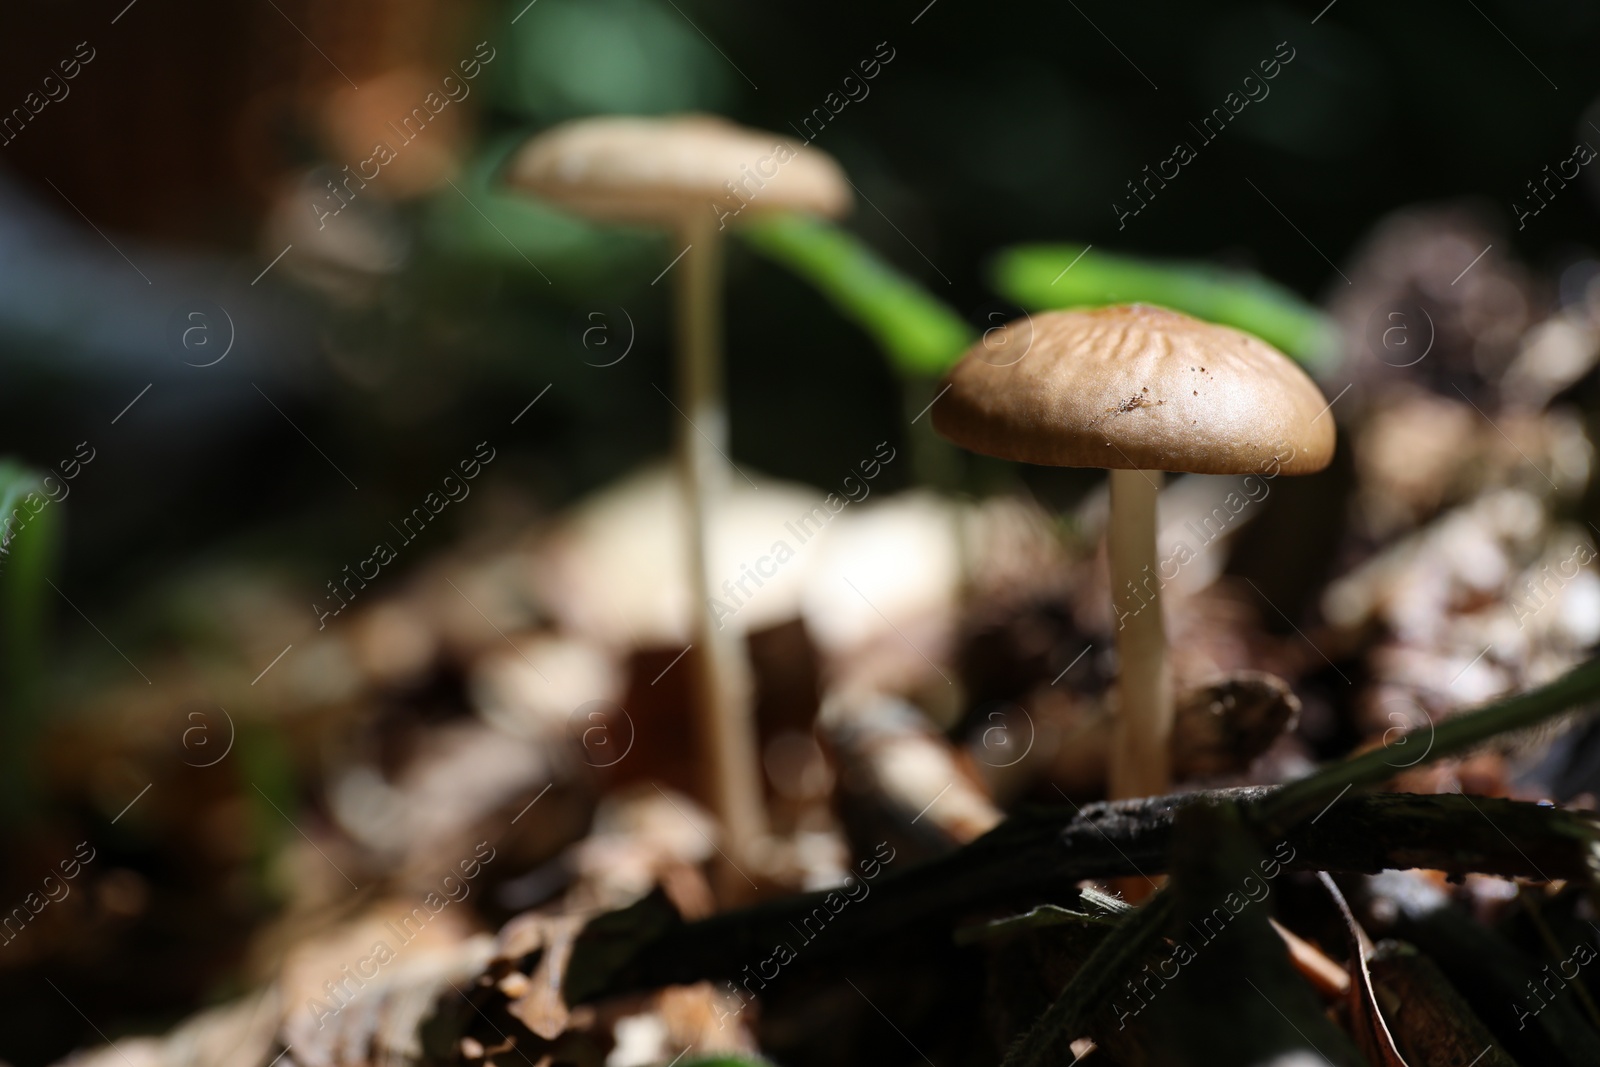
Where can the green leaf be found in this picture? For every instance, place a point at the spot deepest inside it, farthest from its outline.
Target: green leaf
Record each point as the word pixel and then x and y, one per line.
pixel 1453 736
pixel 1049 276
pixel 1042 917
pixel 27 548
pixel 567 58
pixel 1118 955
pixel 1236 997
pixel 1105 910
pixel 481 219
pixel 28 543
pixel 920 333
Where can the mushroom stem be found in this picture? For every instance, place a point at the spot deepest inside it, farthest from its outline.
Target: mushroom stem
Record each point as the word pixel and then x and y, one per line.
pixel 722 687
pixel 1142 753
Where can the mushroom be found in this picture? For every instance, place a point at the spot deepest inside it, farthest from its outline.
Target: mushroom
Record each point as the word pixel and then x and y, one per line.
pixel 693 175
pixel 1137 390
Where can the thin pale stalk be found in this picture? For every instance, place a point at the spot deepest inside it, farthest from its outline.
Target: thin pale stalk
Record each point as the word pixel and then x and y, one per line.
pixel 1141 754
pixel 721 673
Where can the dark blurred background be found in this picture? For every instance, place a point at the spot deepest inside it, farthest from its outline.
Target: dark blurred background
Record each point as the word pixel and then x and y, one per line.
pixel 341 367
pixel 409 326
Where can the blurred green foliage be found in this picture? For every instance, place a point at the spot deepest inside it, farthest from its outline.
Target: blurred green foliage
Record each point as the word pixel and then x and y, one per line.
pixel 583 57
pixel 27 558
pixel 263 758
pixel 921 335
pixel 483 220
pixel 1049 276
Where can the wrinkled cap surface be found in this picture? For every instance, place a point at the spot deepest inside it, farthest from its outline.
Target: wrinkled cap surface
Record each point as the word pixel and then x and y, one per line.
pixel 657 170
pixel 1135 387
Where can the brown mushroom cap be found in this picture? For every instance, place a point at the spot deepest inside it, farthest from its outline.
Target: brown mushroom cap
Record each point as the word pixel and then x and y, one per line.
pixel 657 170
pixel 1136 387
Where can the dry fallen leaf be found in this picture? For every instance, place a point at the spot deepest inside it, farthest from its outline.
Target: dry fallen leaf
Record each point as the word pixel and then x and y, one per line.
pixel 1366 1020
pixel 541 1007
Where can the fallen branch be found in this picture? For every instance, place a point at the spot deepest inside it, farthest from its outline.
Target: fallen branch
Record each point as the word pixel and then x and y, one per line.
pixel 1107 964
pixel 1041 855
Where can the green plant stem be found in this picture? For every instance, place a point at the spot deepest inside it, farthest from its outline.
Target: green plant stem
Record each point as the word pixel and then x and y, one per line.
pixel 30 540
pixel 1045 276
pixel 1067 1018
pixel 1299 799
pixel 922 335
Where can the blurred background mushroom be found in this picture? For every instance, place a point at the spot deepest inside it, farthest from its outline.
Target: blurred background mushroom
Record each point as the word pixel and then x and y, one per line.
pixel 691 175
